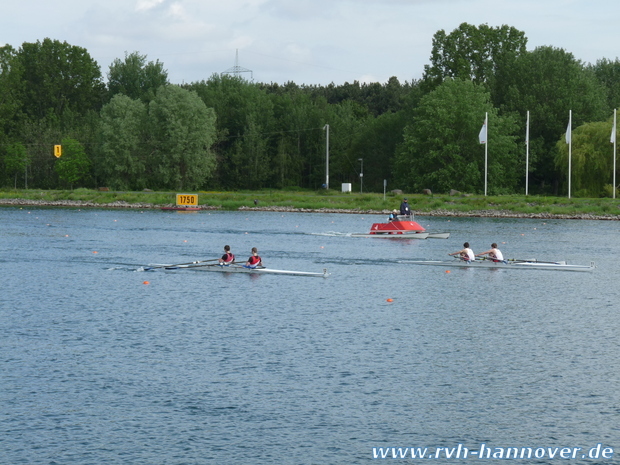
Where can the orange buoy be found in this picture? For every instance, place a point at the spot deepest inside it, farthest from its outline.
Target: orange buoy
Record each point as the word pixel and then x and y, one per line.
pixel 447 271
pixel 94 251
pixel 145 282
pixel 390 300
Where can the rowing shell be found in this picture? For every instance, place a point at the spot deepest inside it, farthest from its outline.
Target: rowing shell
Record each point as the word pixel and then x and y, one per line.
pixel 506 264
pixel 242 269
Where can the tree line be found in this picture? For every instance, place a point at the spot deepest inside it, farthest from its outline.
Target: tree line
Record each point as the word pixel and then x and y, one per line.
pixel 135 130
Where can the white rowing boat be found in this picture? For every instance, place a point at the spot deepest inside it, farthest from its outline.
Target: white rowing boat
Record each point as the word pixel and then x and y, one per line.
pixel 242 269
pixel 512 264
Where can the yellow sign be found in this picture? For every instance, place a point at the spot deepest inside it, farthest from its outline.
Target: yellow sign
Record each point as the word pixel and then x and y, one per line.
pixel 57 151
pixel 187 199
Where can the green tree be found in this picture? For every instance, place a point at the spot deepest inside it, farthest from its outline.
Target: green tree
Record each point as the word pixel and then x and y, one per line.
pixel 11 86
pixel 441 150
pixel 591 160
pixel 250 158
pixel 347 121
pixel 123 152
pixel 608 74
pixel 181 130
pixel 245 126
pixel 58 78
pixel 136 78
pixel 473 53
pixel 74 164
pixel 376 144
pixel 300 148
pixel 16 161
pixel 549 82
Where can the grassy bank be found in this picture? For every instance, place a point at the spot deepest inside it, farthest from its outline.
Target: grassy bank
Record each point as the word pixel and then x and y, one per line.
pixel 333 200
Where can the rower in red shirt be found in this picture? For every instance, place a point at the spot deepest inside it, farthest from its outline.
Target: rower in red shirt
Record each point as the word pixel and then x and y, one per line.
pixel 227 258
pixel 254 260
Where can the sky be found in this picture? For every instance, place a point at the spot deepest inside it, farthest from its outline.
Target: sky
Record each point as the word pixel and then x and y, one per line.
pixel 311 42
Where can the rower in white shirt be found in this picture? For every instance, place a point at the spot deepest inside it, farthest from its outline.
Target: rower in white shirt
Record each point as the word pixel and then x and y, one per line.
pixel 465 253
pixel 494 253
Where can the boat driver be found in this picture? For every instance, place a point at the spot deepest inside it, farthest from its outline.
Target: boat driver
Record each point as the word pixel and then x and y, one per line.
pixel 494 253
pixel 404 208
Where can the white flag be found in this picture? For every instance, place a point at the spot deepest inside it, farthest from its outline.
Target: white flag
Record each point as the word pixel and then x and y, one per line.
pixel 482 137
pixel 613 134
pixel 568 138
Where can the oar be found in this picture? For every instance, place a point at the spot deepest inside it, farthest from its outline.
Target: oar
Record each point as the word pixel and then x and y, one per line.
pixel 180 264
pixel 531 260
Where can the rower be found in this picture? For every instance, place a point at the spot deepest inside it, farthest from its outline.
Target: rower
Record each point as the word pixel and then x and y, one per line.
pixel 227 258
pixel 494 254
pixel 465 253
pixel 254 260
pixel 393 216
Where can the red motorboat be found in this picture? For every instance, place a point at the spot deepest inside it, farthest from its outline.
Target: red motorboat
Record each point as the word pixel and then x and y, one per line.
pixel 402 224
pixel 403 227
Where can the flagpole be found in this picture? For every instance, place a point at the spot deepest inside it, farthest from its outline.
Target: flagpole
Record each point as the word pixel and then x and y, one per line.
pixel 527 151
pixel 613 133
pixel 569 139
pixel 486 150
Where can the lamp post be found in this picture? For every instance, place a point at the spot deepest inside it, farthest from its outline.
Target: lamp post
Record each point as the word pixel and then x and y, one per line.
pixel 361 174
pixel 326 128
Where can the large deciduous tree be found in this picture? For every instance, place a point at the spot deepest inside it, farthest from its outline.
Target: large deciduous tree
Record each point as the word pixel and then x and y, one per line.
pixel 591 160
pixel 473 53
pixel 181 130
pixel 549 82
pixel 136 78
pixel 58 78
pixel 441 150
pixel 123 152
pixel 245 124
pixel 608 73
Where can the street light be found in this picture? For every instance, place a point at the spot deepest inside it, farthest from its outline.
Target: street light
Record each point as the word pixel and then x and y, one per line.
pixel 361 174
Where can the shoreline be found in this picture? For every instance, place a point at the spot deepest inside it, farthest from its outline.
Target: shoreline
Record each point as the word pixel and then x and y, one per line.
pixel 445 213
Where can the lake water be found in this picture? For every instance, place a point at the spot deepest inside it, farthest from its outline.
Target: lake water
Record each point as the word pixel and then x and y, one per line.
pixel 98 367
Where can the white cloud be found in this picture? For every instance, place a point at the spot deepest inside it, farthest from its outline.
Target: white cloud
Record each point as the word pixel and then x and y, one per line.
pixel 145 5
pixel 305 41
